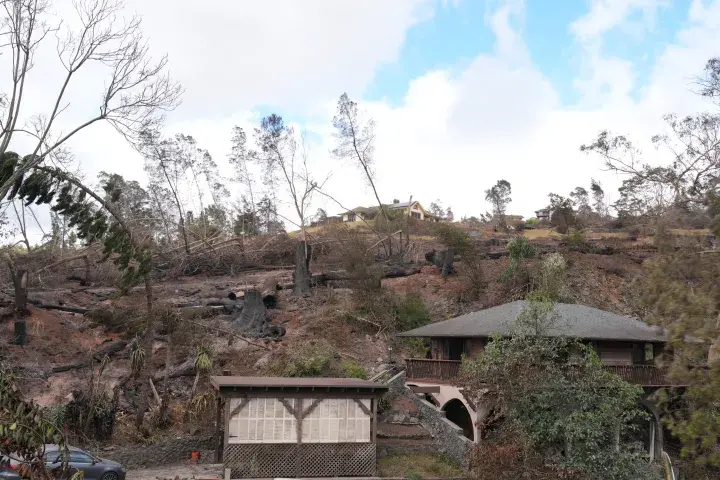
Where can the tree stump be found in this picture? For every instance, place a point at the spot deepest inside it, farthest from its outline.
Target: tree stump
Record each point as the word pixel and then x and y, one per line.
pixel 253 319
pixel 447 266
pixel 301 276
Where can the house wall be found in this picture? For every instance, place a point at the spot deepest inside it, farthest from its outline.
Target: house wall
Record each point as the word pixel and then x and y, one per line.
pixel 615 353
pixel 416 211
pixel 471 346
pixel 358 218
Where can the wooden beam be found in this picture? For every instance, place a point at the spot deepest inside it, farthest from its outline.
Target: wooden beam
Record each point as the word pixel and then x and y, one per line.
pixel 243 403
pixel 218 418
pixel 365 409
pixel 312 407
pixel 425 388
pixel 373 421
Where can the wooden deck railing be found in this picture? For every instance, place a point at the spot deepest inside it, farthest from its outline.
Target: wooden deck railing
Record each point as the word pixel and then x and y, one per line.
pixel 443 370
pixel 448 370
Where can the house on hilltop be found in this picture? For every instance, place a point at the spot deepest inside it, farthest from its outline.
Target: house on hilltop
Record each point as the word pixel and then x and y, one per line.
pixel 412 209
pixel 543 214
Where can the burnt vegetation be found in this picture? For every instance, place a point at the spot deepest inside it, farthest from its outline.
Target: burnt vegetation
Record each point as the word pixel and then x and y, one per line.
pixel 137 293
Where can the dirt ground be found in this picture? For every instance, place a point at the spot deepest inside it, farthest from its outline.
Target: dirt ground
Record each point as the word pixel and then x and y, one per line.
pixel 198 472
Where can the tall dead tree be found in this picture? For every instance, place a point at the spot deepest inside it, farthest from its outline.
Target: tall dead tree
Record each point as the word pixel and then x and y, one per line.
pixel 137 90
pixel 281 155
pixel 355 142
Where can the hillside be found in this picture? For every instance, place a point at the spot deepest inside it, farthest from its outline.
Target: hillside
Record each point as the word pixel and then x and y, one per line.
pixel 324 328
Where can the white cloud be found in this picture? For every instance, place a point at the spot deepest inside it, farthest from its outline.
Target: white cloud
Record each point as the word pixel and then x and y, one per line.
pixel 455 135
pixel 605 15
pixel 455 132
pixel 235 55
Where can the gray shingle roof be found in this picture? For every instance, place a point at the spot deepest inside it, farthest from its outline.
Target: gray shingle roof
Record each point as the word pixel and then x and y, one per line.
pixel 574 321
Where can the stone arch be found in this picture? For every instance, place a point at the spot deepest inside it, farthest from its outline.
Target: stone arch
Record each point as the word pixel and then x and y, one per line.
pixel 456 411
pixel 656 441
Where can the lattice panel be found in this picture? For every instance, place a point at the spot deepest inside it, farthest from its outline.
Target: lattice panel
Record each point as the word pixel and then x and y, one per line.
pixel 337 460
pixel 300 460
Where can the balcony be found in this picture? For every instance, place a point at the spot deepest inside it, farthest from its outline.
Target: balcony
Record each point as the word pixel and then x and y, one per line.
pixel 445 371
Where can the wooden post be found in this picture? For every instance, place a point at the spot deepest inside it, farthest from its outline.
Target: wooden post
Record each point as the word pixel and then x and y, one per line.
pixel 374 422
pixel 218 438
pixel 20 279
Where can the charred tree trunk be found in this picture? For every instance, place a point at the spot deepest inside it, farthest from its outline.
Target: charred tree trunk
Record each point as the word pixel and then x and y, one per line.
pixel 252 320
pixel 20 279
pixel 447 267
pixel 301 277
pixel 144 376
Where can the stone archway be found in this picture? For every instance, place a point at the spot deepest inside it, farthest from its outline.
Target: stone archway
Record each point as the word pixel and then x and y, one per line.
pixel 456 412
pixel 655 441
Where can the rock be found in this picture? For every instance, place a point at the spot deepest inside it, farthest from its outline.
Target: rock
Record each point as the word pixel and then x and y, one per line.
pixel 382 367
pixel 262 362
pixel 108 448
pixel 380 360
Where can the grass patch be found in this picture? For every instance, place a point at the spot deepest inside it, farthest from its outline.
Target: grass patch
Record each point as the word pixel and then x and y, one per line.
pixel 689 231
pixel 540 233
pixel 418 466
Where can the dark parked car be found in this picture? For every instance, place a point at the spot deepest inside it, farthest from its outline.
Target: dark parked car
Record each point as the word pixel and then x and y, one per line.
pixel 93 468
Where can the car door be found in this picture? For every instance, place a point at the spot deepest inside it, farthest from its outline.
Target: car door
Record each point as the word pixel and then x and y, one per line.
pixel 83 462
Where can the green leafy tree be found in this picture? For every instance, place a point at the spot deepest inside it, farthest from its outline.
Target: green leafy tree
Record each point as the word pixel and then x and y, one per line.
pixel 680 290
pixel 563 213
pixel 554 391
pixel 499 197
pixel 95 219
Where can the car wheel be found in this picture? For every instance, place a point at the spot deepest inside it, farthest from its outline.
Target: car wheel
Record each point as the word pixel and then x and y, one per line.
pixel 109 476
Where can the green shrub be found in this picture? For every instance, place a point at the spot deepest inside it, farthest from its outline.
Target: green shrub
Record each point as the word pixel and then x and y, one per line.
pixel 308 361
pixel 454 238
pixel 411 312
pixel 414 347
pixel 576 238
pixel 389 310
pixel 532 222
pixel 520 248
pixel 352 369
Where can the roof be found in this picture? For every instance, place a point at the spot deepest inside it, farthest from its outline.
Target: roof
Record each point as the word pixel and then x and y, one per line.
pixel 574 320
pixel 296 384
pixel 399 205
pixel 391 206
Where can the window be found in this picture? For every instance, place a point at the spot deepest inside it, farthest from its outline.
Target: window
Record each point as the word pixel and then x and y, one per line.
pixel 80 457
pixel 339 420
pixel 415 214
pixel 266 420
pixel 262 420
pixel 649 352
pixel 352 217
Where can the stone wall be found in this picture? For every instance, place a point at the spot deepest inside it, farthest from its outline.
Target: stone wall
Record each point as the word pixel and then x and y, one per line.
pixel 448 436
pixel 175 450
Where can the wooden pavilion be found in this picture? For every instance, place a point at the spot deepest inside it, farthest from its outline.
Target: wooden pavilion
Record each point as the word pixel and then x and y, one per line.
pixel 297 427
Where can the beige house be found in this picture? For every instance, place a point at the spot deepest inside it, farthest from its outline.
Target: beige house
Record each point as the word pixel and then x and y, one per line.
pixel 413 209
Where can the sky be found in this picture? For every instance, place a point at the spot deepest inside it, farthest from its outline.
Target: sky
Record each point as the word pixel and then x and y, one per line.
pixel 463 92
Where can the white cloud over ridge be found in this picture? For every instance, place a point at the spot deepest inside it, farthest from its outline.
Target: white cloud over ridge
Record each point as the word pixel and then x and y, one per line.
pixel 455 132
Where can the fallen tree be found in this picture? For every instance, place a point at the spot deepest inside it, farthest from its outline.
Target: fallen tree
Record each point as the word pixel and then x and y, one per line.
pixel 108 351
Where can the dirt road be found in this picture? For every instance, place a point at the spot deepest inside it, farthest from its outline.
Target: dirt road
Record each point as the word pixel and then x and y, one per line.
pixel 197 472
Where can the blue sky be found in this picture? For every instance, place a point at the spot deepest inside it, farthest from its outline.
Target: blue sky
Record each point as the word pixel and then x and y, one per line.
pixel 458 32
pixel 463 92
